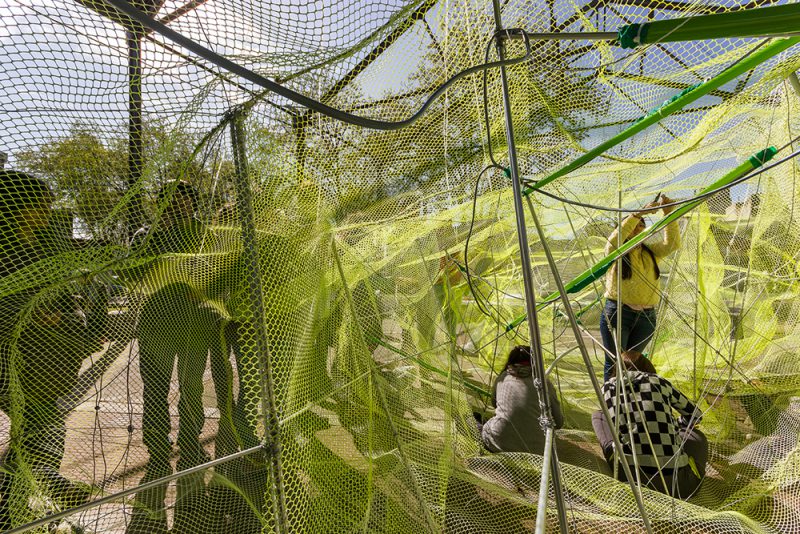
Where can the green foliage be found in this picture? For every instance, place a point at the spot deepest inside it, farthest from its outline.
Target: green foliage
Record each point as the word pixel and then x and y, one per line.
pixel 89 173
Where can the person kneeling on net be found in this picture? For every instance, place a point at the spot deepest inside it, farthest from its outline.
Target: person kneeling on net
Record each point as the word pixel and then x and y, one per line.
pixel 671 453
pixel 515 426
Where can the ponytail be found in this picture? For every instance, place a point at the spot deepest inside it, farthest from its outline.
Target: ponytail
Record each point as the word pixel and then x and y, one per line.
pixel 627 270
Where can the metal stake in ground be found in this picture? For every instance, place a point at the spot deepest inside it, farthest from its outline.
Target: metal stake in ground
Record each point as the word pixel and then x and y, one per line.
pixel 537 361
pixel 573 322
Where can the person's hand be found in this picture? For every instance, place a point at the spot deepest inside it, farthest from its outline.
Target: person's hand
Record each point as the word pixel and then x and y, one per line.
pixel 666 200
pixel 688 423
pixel 651 207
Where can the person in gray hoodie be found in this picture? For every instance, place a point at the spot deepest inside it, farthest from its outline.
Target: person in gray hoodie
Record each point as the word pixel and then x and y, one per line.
pixel 515 426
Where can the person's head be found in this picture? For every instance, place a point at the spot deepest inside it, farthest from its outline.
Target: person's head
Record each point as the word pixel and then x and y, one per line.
pixel 627 269
pixel 520 354
pixel 25 201
pixel 183 199
pixel 3 159
pixel 633 360
pixel 640 227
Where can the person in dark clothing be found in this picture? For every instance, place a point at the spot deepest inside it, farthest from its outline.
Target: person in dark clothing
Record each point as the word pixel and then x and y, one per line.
pixel 515 426
pixel 175 323
pixel 671 454
pixel 44 337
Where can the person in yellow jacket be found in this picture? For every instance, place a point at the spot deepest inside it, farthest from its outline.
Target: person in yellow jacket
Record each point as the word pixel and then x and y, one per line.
pixel 638 290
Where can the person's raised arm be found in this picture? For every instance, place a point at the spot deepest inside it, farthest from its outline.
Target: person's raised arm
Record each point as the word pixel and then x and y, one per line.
pixel 629 224
pixel 672 234
pixel 680 403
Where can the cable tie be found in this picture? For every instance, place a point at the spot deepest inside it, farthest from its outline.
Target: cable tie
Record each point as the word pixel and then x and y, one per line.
pixel 546 422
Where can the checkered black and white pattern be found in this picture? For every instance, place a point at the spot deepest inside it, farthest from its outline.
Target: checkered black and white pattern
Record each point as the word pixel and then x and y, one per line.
pixel 649 408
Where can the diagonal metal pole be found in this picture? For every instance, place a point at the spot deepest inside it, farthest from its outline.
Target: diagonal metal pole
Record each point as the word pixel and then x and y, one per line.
pixel 85 507
pixel 256 312
pixel 537 360
pixel 795 82
pixel 573 322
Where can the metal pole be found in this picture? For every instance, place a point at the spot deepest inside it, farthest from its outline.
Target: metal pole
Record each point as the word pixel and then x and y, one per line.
pixel 573 322
pixel 135 128
pixel 256 312
pixel 537 360
pixel 795 82
pixel 541 509
pixel 573 36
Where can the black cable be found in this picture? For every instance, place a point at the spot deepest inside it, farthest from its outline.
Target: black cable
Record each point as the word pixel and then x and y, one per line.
pixel 124 7
pixel 472 290
pixel 701 196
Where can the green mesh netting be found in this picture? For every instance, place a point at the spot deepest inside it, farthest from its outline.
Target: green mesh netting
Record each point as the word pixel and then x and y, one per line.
pixel 223 312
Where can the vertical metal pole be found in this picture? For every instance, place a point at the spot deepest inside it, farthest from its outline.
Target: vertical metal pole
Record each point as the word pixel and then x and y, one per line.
pixel 537 360
pixel 541 508
pixel 573 322
pixel 135 128
pixel 252 272
pixel 618 331
pixel 696 311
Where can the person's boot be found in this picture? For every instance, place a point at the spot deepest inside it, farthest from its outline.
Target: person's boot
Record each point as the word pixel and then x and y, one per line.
pixel 66 492
pixel 190 499
pixel 191 504
pixel 229 491
pixel 149 512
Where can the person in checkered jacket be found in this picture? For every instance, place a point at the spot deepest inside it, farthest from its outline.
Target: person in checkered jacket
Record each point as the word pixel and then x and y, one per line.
pixel 671 453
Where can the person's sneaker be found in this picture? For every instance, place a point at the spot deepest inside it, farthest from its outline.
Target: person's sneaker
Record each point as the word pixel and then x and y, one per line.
pixel 67 492
pixel 149 512
pixel 65 527
pixel 191 502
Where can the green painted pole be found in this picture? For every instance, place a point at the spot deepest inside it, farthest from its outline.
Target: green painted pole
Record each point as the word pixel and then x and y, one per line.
pixel 671 106
pixel 599 269
pixel 774 21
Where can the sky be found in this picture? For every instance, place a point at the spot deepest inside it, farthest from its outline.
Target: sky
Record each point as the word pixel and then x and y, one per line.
pixel 63 63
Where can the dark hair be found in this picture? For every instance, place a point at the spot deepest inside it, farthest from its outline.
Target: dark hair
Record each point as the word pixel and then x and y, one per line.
pixel 634 364
pixel 182 187
pixel 18 191
pixel 519 354
pixel 627 270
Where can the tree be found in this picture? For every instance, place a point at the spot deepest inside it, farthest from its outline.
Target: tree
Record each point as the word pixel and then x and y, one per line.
pixel 89 174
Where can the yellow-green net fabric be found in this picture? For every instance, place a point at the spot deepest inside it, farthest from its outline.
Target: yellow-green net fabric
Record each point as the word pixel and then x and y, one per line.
pixel 296 313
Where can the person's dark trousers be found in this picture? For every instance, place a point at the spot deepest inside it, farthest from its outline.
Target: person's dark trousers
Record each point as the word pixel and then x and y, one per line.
pixel 637 330
pixel 604 436
pixel 43 379
pixel 239 482
pixel 695 445
pixel 43 448
pixel 242 416
pixel 172 327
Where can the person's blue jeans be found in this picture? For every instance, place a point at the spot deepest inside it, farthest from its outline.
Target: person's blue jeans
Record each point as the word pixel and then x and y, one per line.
pixel 636 332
